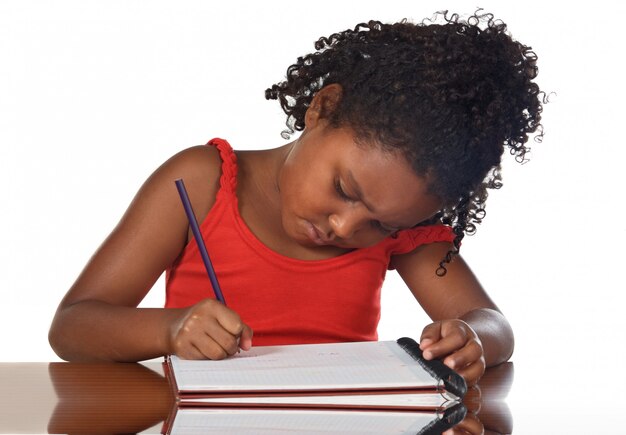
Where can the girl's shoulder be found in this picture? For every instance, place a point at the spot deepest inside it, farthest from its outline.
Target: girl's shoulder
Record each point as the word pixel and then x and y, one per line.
pixel 200 161
pixel 200 167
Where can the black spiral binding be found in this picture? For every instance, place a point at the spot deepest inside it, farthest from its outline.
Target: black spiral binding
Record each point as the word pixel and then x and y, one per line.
pixel 450 418
pixel 453 382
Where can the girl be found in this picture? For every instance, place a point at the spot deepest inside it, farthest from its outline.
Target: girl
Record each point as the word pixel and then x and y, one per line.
pixel 403 127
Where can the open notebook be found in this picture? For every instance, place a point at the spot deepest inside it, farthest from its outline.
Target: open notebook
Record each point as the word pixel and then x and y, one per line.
pixel 379 375
pixel 335 383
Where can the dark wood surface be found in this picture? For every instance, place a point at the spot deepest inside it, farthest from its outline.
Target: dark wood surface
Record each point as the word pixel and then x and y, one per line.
pixel 130 398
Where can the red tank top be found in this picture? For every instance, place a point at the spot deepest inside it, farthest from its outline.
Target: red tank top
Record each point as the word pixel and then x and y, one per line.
pixel 286 300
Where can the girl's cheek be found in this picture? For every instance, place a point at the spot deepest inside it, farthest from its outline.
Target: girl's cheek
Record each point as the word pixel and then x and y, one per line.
pixel 366 239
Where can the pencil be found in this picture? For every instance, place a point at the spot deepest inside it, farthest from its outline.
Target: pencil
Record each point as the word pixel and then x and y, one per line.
pixel 195 229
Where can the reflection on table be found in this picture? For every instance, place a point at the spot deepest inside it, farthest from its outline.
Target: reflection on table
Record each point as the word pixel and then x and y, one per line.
pixel 108 398
pixel 132 398
pixel 486 403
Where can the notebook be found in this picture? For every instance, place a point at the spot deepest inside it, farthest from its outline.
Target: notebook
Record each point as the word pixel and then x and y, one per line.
pixel 359 375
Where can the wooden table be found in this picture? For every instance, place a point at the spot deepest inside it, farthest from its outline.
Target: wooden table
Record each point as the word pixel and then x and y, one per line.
pixel 131 398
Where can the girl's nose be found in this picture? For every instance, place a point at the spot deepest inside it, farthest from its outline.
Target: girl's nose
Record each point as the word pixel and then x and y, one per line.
pixel 343 225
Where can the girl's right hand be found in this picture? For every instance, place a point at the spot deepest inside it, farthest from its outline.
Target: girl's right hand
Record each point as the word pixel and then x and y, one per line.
pixel 208 330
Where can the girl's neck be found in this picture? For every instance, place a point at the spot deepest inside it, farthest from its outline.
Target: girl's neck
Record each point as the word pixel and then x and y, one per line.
pixel 258 173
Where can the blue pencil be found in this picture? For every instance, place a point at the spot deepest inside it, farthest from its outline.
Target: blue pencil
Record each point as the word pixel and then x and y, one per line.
pixel 195 229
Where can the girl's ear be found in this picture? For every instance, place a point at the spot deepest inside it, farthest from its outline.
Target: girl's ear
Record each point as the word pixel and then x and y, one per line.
pixel 323 104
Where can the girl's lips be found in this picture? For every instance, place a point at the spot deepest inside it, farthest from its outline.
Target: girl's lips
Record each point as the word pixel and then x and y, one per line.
pixel 315 234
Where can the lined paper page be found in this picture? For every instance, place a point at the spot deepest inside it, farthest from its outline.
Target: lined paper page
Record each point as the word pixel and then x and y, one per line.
pixel 382 364
pixel 409 400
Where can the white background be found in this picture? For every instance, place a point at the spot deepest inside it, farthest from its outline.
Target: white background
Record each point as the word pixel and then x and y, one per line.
pixel 95 95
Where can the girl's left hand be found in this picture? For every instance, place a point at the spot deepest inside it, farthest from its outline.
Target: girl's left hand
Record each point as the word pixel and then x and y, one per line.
pixel 457 344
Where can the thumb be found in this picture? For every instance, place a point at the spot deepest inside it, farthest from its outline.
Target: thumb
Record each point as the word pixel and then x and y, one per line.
pixel 245 340
pixel 430 335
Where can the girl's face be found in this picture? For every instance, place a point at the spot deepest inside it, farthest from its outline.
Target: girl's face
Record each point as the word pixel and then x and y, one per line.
pixel 337 193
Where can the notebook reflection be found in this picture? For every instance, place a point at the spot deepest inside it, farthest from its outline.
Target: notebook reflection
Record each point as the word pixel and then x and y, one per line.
pixel 189 420
pixel 132 398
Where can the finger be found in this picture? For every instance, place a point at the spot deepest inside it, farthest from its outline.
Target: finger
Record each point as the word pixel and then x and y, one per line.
pixel 468 354
pixel 223 325
pixel 209 348
pixel 245 340
pixel 473 372
pixel 473 399
pixel 221 337
pixel 182 345
pixel 446 345
pixel 230 320
pixel 211 308
pixel 188 351
pixel 431 334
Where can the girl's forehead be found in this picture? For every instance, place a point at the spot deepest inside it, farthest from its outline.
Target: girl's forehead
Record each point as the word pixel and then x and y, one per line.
pixel 386 182
pixel 376 161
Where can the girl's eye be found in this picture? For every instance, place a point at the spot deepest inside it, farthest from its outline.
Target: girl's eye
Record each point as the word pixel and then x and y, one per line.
pixel 341 192
pixel 376 224
pixel 383 229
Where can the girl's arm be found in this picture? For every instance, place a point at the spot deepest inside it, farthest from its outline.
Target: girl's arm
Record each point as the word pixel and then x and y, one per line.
pixel 469 331
pixel 98 319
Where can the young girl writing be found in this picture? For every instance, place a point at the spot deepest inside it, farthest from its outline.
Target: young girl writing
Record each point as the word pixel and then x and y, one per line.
pixel 403 128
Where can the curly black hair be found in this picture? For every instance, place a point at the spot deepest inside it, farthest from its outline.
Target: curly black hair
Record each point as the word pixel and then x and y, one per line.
pixel 450 97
